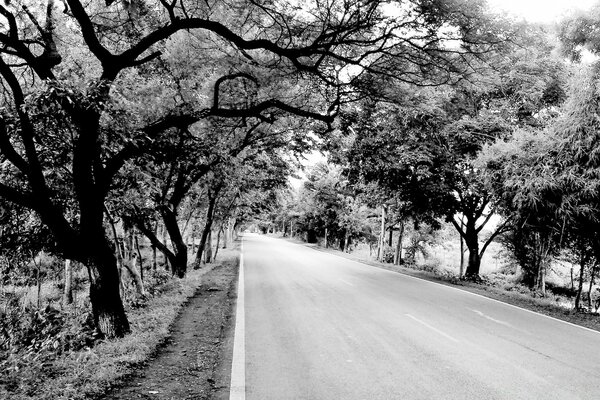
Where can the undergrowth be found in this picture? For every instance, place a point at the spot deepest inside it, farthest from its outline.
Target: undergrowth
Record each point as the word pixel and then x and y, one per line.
pixel 54 354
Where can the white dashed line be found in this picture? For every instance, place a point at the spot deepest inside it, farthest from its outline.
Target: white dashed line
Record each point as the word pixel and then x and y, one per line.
pixel 444 334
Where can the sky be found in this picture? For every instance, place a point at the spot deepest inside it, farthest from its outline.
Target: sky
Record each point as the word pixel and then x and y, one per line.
pixel 540 10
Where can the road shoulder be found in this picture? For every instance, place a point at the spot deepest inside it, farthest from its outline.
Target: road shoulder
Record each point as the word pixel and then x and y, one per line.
pixel 192 362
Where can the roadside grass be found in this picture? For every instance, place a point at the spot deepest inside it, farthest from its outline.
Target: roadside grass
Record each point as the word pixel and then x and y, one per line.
pixel 496 285
pixel 91 371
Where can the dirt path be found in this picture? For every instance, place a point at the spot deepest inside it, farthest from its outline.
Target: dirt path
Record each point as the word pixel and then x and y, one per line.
pixel 192 364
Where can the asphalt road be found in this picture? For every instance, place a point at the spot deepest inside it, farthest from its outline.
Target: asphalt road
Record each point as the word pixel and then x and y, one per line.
pixel 318 326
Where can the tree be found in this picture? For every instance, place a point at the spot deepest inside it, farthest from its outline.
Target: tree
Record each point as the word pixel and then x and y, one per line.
pixel 80 67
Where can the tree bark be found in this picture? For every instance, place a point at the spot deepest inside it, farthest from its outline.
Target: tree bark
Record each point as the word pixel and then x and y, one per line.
pixel 381 242
pixel 135 275
pixel 580 285
pixel 592 277
pixel 208 253
pixel 472 243
pixel 346 241
pixel 398 254
pixel 180 256
pixel 461 271
pixel 154 261
pixel 325 237
pixel 219 234
pixel 68 288
pixel 226 233
pixel 139 254
pixel 107 307
pixel 210 213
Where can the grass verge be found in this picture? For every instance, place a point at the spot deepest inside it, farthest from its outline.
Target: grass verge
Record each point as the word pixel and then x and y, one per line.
pixel 89 373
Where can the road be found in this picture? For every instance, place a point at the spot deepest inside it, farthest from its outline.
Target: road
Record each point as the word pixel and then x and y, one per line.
pixel 318 326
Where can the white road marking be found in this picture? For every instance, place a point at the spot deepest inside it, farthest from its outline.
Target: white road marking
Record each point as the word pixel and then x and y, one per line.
pixel 444 334
pixel 346 282
pixel 491 319
pixel 454 288
pixel 237 387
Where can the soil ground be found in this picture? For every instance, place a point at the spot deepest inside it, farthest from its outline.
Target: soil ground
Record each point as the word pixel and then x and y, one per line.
pixel 193 362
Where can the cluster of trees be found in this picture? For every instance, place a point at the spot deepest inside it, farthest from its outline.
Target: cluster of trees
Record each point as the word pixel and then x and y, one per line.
pixel 511 151
pixel 167 116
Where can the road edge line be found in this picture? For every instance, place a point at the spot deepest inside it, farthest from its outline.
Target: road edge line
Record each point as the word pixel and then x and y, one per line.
pixel 237 386
pixel 453 287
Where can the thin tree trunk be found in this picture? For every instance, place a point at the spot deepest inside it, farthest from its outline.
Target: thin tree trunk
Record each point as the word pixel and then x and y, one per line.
pixel 226 233
pixel 580 286
pixel 220 232
pixel 208 252
pixel 461 272
pixel 135 275
pixel 592 277
pixel 381 242
pixel 68 288
pixel 398 254
pixel 164 241
pixel 118 249
pixel 139 253
pixel 154 261
pixel 346 241
pixel 207 227
pixel 325 237
pixel 180 259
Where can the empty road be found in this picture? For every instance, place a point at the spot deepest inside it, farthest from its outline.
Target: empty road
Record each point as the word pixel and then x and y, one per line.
pixel 318 326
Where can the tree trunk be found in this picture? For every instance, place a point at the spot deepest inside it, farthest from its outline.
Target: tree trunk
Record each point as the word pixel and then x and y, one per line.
pixel 474 261
pixel 139 254
pixel 325 237
pixel 592 276
pixel 68 289
pixel 208 253
pixel 166 255
pixel 541 277
pixel 219 234
pixel 107 307
pixel 580 286
pixel 381 242
pixel 346 241
pixel 210 213
pixel 154 261
pixel 398 254
pixel 135 275
pixel 391 237
pixel 461 271
pixel 226 233
pixel 180 259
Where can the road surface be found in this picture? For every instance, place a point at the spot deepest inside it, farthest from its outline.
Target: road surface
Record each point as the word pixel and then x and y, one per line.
pixel 318 326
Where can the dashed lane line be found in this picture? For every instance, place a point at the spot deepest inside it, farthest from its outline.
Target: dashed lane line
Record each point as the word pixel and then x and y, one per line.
pixel 444 334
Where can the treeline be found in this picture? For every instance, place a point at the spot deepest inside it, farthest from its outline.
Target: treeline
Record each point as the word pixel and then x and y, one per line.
pixel 509 155
pixel 165 125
